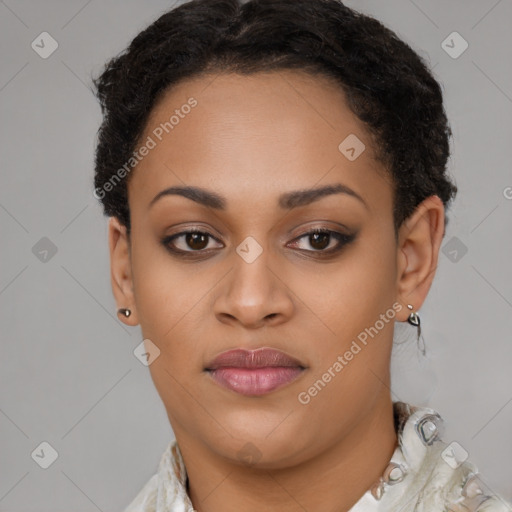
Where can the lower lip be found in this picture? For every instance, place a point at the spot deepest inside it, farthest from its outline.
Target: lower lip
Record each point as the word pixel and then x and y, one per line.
pixel 255 381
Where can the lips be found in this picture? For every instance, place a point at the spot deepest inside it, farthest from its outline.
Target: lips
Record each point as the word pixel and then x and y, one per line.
pixel 260 358
pixel 254 372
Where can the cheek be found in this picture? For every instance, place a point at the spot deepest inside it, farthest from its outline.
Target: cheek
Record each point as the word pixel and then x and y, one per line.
pixel 170 299
pixel 163 292
pixel 351 293
pixel 165 297
pixel 350 299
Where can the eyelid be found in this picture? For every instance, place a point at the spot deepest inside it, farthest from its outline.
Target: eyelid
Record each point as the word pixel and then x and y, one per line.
pixel 342 238
pixel 322 226
pixel 169 238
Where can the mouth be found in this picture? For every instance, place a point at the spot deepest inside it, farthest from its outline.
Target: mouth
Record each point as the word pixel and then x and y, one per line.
pixel 254 372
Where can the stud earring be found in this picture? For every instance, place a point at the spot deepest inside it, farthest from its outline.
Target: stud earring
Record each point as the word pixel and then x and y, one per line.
pixel 414 320
pixel 125 312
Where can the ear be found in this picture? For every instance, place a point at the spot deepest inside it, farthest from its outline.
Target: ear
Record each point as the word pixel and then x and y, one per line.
pixel 121 270
pixel 419 240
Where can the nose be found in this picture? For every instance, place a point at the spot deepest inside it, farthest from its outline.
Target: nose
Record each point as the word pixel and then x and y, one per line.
pixel 254 294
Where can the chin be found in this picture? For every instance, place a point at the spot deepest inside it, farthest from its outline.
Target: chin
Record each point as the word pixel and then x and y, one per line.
pixel 262 448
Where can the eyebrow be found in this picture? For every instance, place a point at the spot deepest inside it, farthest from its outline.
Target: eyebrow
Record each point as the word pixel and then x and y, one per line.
pixel 288 200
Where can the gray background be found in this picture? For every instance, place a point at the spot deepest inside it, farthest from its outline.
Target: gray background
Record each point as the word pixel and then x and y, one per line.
pixel 68 373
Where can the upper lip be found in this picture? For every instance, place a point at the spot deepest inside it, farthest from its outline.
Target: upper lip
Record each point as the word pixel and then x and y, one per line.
pixel 259 358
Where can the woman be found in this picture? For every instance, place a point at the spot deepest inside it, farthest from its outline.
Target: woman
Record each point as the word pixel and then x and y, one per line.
pixel 275 177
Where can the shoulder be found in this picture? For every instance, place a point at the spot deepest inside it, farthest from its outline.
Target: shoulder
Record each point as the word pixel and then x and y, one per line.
pixel 440 475
pixel 166 489
pixel 145 500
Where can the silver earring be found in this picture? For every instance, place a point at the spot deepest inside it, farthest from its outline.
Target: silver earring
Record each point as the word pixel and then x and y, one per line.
pixel 414 319
pixel 125 312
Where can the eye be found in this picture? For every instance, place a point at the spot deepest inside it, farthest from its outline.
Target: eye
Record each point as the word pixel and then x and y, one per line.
pixel 193 239
pixel 197 241
pixel 321 239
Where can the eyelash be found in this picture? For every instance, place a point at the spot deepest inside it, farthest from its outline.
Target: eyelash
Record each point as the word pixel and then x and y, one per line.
pixel 343 239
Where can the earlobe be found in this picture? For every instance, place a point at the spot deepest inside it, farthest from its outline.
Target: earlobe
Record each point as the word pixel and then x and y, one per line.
pixel 420 238
pixel 120 271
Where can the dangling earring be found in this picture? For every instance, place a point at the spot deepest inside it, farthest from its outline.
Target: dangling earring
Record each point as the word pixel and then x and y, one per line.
pixel 125 312
pixel 414 319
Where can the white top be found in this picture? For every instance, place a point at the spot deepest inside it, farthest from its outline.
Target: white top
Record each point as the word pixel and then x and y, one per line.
pixel 424 475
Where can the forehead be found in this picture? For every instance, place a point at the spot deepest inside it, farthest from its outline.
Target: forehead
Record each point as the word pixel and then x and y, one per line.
pixel 253 136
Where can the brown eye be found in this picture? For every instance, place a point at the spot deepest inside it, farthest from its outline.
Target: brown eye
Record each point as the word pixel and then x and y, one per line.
pixel 188 242
pixel 320 240
pixel 196 241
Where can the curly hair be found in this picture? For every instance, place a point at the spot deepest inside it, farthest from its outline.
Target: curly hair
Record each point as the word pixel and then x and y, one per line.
pixel 387 85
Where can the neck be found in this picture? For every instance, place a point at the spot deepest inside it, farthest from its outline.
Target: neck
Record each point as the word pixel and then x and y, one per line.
pixel 334 479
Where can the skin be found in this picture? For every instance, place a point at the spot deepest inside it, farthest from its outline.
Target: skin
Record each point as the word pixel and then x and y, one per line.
pixel 251 139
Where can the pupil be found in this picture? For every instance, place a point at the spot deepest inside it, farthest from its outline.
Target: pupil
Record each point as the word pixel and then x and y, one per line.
pixel 193 237
pixel 198 240
pixel 324 236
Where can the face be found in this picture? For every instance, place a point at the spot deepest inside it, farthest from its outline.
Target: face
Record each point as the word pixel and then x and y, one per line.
pixel 254 275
